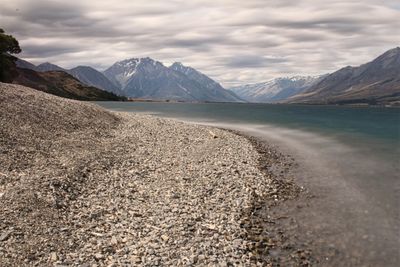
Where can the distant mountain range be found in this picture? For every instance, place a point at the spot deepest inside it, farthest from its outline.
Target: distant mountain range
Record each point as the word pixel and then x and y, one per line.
pixel 146 78
pixel 377 82
pixel 275 90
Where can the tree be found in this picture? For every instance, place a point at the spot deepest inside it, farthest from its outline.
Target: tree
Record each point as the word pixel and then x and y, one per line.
pixel 8 45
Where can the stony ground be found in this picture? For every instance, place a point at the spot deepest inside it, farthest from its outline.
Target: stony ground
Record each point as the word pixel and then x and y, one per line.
pixel 80 186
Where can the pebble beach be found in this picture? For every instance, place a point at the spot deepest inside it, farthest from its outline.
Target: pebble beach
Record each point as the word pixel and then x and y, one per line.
pixel 82 186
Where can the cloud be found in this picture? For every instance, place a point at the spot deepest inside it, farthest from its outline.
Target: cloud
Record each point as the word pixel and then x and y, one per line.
pixel 252 61
pixel 232 41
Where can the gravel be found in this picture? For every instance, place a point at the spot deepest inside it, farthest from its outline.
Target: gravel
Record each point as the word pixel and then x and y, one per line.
pixel 81 186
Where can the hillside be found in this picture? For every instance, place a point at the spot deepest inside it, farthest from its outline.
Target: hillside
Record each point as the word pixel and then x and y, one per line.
pixel 62 84
pixel 376 82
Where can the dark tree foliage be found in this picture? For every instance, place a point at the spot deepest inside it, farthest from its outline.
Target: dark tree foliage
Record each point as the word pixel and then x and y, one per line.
pixel 8 45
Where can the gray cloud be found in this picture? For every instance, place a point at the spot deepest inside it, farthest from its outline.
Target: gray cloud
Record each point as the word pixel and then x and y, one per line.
pixel 233 41
pixel 252 61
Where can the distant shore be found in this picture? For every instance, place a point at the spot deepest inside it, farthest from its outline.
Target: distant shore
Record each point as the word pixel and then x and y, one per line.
pixel 350 104
pixel 82 185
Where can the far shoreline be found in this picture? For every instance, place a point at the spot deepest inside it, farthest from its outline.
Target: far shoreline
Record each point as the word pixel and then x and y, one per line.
pixel 167 101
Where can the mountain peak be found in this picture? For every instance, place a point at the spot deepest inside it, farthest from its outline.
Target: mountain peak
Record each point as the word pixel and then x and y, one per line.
pixel 47 66
pixel 128 62
pixel 177 64
pixel 392 52
pixel 83 67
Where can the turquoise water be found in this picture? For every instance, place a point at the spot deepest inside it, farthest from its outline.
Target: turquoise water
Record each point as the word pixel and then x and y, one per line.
pixel 374 124
pixel 348 158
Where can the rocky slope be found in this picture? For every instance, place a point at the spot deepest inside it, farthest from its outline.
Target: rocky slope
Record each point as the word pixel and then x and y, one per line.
pixel 275 90
pixel 81 186
pixel 150 79
pixel 376 82
pixel 62 84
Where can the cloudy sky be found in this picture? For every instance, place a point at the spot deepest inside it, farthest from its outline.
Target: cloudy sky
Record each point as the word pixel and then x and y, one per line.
pixel 233 41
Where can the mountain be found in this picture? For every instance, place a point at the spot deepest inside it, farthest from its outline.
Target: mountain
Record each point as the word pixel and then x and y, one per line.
pixel 92 77
pixel 42 67
pixel 216 90
pixel 275 90
pixel 48 67
pixel 25 64
pixel 149 79
pixel 376 82
pixel 85 74
pixel 62 84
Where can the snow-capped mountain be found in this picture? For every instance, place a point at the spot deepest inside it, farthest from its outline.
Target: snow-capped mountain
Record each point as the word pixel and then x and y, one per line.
pixel 275 90
pixel 121 72
pixel 147 78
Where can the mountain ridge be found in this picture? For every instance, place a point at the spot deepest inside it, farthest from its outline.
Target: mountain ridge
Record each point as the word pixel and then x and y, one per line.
pixel 275 90
pixel 150 79
pixel 375 82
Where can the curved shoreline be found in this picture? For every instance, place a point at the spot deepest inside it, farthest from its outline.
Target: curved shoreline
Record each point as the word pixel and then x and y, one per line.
pixel 333 219
pixel 81 185
pixel 271 213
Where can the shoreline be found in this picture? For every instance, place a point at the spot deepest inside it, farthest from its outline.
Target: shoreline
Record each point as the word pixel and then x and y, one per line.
pixel 77 179
pixel 271 213
pixel 332 218
pixel 82 185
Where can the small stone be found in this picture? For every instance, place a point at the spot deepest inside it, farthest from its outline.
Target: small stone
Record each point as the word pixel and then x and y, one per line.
pixel 135 259
pixel 236 243
pixel 4 236
pixel 193 259
pixel 201 258
pixel 99 256
pixel 53 256
pixel 165 238
pixel 97 234
pixel 114 241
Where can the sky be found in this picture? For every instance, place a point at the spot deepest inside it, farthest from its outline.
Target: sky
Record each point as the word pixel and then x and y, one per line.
pixel 233 41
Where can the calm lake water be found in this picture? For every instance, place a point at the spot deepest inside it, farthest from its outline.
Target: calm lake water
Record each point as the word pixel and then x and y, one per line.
pixel 348 158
